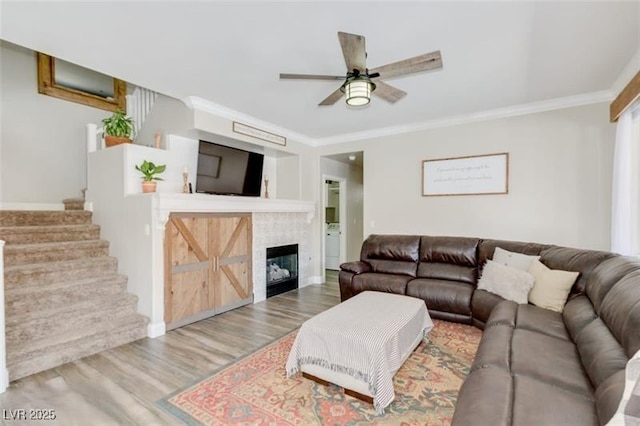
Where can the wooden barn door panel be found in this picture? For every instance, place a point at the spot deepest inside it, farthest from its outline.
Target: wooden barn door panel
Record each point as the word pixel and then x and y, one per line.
pixel 190 294
pixel 187 268
pixel 233 277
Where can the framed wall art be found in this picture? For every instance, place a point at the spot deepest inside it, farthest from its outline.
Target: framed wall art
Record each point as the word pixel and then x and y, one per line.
pixel 472 175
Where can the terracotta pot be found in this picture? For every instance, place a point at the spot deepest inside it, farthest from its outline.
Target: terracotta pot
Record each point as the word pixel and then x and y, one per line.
pixel 149 185
pixel 113 140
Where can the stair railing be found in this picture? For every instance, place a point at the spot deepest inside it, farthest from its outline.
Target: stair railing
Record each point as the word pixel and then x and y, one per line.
pixel 94 138
pixel 4 373
pixel 139 105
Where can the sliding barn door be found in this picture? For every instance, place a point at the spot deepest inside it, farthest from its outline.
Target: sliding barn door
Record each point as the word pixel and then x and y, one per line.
pixel 207 265
pixel 232 249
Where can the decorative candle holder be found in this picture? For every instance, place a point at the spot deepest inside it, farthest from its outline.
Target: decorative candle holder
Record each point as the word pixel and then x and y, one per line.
pixel 266 188
pixel 185 182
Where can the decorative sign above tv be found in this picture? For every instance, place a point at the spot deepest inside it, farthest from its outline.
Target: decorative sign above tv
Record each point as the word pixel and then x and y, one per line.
pixel 243 129
pixel 224 170
pixel 473 175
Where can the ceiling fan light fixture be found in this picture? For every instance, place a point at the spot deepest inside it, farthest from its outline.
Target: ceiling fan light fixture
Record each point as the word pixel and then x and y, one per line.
pixel 358 90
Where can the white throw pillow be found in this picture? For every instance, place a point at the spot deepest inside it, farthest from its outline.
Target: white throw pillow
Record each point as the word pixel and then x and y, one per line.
pixel 510 283
pixel 551 287
pixel 514 260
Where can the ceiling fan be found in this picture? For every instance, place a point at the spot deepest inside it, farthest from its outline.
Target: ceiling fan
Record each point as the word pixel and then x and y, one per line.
pixel 359 81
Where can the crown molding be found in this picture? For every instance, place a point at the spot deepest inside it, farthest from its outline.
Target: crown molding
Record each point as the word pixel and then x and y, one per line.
pixel 200 104
pixel 511 111
pixel 197 103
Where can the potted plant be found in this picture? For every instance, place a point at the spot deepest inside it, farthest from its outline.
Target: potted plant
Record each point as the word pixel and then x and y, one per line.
pixel 118 128
pixel 149 175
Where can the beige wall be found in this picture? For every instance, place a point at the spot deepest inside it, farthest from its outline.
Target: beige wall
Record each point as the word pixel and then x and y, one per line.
pixel 43 138
pixel 559 183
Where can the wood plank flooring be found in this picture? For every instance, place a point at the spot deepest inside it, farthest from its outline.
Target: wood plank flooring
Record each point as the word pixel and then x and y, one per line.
pixel 121 385
pixel 331 276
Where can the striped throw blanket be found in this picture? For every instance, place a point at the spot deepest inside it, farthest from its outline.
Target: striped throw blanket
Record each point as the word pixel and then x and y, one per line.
pixel 628 413
pixel 367 337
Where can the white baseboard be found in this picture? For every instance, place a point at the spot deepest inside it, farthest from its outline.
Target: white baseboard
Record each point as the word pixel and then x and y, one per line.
pixel 314 280
pixel 4 380
pixel 31 206
pixel 156 330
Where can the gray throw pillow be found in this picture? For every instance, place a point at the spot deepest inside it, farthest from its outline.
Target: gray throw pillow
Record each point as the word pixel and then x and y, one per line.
pixel 509 283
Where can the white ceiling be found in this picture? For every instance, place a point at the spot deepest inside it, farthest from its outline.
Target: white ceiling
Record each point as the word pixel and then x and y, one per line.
pixel 495 55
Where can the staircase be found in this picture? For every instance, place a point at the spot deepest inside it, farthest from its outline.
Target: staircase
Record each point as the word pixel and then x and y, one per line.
pixel 64 298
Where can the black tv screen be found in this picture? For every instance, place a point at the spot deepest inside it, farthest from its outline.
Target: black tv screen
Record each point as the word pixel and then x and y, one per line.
pixel 228 171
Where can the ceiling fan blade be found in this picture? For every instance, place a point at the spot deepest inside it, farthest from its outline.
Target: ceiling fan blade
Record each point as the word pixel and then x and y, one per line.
pixel 388 93
pixel 353 50
pixel 428 61
pixel 311 77
pixel 332 98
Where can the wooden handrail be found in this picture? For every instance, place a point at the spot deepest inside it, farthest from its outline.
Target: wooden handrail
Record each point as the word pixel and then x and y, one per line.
pixel 627 96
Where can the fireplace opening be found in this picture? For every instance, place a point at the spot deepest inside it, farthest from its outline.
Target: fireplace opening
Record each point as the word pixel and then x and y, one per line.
pixel 282 269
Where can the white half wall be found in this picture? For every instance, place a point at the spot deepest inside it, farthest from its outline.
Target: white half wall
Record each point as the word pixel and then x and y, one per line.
pixel 44 156
pixel 559 179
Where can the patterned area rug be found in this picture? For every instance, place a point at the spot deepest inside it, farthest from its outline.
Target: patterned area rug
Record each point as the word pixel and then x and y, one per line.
pixel 256 391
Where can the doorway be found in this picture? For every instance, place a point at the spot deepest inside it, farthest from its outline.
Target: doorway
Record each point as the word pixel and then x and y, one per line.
pixel 335 223
pixel 341 199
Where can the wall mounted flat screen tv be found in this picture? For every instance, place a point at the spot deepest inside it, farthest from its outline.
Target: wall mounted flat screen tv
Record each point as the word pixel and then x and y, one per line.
pixel 228 171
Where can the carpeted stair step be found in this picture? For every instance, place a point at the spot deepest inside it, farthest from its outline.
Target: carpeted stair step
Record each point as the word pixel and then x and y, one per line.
pixel 38 274
pixel 64 318
pixel 23 254
pixel 56 350
pixel 32 299
pixel 73 204
pixel 44 217
pixel 48 234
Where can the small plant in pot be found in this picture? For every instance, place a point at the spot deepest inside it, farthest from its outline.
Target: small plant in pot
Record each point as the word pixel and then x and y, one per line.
pixel 117 129
pixel 150 174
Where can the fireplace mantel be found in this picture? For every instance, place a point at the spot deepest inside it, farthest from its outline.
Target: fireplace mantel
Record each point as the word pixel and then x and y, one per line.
pixel 166 203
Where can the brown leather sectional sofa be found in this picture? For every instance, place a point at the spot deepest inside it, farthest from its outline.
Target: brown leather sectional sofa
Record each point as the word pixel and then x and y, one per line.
pixel 534 366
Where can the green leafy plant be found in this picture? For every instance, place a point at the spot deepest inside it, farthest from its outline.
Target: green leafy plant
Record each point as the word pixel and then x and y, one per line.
pixel 150 170
pixel 118 125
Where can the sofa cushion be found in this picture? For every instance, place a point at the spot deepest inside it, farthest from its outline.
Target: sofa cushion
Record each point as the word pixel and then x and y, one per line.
pixel 442 295
pixel 379 282
pixel 542 403
pixel 510 283
pixel 513 259
pixel 453 250
pixel 485 399
pixel 550 360
pixel 551 287
pixel 620 310
pixel 577 260
pixel 601 354
pixel 356 267
pixel 605 275
pixel 448 258
pixel 482 303
pixel 494 350
pixel 609 395
pixel 391 254
pixel 541 321
pixel 577 314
